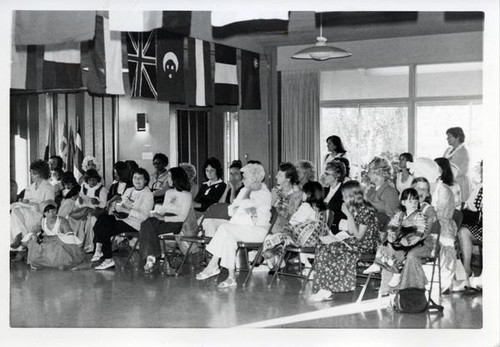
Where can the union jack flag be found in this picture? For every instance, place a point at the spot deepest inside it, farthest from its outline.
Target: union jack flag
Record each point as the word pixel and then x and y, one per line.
pixel 141 48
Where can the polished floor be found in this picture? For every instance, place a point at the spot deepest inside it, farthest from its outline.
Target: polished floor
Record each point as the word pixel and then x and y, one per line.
pixel 130 298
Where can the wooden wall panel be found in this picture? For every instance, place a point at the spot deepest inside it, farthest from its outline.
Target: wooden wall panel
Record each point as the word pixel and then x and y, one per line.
pixel 88 130
pixel 107 167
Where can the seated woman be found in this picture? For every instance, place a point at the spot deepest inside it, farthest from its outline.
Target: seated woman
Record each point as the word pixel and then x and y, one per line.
pixel 26 214
pixel 472 228
pixel 380 193
pixel 306 172
pixel 211 191
pixel 234 184
pixel 70 193
pixel 250 216
pixel 191 172
pixel 335 258
pixel 55 180
pixel 55 246
pixel 158 184
pixel 122 180
pixel 333 177
pixel 286 195
pixel 133 208
pixel 167 218
pixel 304 227
pixel 405 231
pixel 347 167
pixel 444 203
pixel 90 202
pixel 89 162
pixel 404 178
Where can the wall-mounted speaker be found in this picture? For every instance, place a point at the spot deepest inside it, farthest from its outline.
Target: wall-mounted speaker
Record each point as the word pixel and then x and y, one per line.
pixel 141 122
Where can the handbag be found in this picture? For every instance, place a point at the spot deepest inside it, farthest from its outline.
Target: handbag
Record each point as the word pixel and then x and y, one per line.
pixel 410 300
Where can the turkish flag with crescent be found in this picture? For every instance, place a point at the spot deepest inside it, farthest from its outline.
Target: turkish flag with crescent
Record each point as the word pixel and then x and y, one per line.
pixel 170 67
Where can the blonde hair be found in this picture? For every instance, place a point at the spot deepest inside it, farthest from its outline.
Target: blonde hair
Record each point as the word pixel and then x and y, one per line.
pixel 382 167
pixel 353 195
pixel 254 172
pixel 310 169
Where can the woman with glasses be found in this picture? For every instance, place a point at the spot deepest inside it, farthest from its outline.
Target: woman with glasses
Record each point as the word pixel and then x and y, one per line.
pixel 333 177
pixel 158 184
pixel 405 231
pixel 379 192
pixel 211 191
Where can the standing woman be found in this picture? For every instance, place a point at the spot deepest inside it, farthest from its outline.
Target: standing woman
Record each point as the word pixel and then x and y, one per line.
pixel 404 178
pixel 444 203
pixel 211 191
pixel 133 208
pixel 458 155
pixel 335 149
pixel 26 215
pixel 166 218
pixel 336 261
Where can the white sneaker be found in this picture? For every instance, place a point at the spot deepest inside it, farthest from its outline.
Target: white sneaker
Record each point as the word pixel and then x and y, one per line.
pixel 396 278
pixel 372 269
pixel 106 264
pixel 476 282
pixel 96 257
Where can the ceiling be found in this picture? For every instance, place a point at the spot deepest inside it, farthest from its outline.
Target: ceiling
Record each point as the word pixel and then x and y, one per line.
pixel 303 27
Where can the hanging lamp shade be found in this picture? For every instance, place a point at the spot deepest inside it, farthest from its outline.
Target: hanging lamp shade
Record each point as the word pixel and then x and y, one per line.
pixel 320 51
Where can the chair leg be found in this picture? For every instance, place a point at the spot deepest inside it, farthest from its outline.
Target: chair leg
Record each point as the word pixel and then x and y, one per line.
pixel 254 262
pixel 363 290
pixel 131 253
pixel 277 270
pixel 307 278
pixel 184 259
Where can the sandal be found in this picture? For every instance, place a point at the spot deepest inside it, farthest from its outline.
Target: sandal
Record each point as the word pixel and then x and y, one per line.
pixel 228 283
pixel 203 275
pixel 150 264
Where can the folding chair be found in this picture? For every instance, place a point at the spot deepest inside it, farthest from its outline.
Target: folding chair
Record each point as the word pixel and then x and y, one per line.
pixel 434 260
pixel 219 211
pixel 259 246
pixel 129 235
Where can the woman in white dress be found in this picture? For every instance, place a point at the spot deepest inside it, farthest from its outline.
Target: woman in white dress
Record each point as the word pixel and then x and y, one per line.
pixel 404 178
pixel 457 154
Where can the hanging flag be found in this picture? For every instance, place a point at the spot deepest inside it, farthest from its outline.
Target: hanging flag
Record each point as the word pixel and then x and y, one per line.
pixel 102 60
pixel 62 66
pixel 177 22
pixel 199 91
pixel 250 80
pixel 50 149
pixel 71 150
pixel 53 27
pixel 136 21
pixel 226 78
pixel 141 48
pixel 170 67
pixel 27 67
pixel 229 23
pixel 63 146
pixel 78 156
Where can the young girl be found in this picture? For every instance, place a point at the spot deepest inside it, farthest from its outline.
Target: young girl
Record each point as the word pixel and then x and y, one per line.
pixel 336 261
pixel 303 227
pixel 405 231
pixel 56 246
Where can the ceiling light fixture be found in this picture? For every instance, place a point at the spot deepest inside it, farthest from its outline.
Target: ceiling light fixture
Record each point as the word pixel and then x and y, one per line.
pixel 320 51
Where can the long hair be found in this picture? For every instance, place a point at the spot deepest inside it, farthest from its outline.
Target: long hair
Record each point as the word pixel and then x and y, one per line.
pixel 314 193
pixel 353 196
pixel 447 173
pixel 215 163
pixel 337 142
pixel 408 193
pixel 180 179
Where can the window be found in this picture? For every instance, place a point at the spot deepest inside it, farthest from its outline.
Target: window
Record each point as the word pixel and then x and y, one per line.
pixel 22 167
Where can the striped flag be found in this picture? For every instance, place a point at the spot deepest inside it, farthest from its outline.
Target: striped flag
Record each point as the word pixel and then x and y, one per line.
pixel 78 157
pixel 199 78
pixel 226 77
pixel 63 146
pixel 62 66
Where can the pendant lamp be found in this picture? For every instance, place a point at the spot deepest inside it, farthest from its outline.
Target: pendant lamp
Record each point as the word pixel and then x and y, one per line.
pixel 320 51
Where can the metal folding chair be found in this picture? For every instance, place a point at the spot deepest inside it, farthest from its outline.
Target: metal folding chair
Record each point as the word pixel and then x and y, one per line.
pixel 129 235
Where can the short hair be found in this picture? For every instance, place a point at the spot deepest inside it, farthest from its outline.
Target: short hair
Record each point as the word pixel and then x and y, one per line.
pixel 290 172
pixel 381 166
pixel 416 180
pixel 236 164
pixel 69 178
pixel 91 173
pixel 254 172
pixel 345 161
pixel 190 170
pixel 408 156
pixel 59 172
pixel 122 170
pixel 60 161
pixel 215 163
pixel 406 194
pixel 41 167
pixel 337 167
pixel 315 194
pixel 457 132
pixel 447 173
pixel 144 173
pixel 180 179
pixel 51 205
pixel 310 173
pixel 337 142
pixel 254 162
pixel 162 157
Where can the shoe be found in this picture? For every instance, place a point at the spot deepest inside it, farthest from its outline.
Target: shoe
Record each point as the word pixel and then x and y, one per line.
pixel 372 269
pixel 96 257
pixel 17 241
pixel 476 282
pixel 396 278
pixel 462 286
pixel 204 275
pixel 228 283
pixel 150 264
pixel 168 270
pixel 321 295
pixel 106 264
